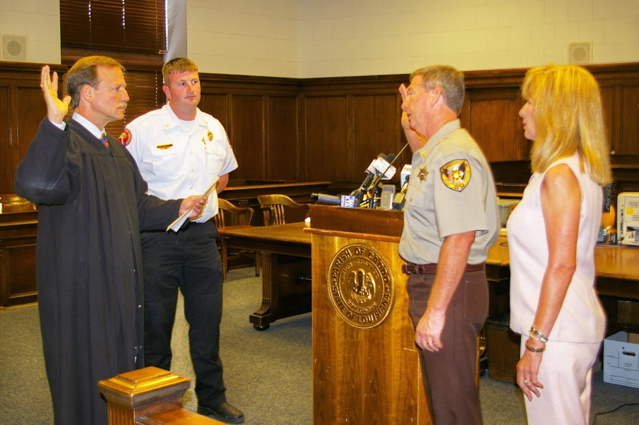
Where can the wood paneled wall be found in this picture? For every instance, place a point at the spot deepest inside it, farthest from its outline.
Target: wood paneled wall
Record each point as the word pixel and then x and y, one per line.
pixel 348 122
pixel 329 128
pixel 21 109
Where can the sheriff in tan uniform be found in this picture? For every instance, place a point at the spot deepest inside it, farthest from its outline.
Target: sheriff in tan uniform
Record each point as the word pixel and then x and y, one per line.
pixel 450 221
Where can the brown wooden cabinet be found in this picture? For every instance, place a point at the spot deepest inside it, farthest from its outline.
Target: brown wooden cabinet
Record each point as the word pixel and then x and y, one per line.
pixel 628 141
pixel 21 110
pixel 17 258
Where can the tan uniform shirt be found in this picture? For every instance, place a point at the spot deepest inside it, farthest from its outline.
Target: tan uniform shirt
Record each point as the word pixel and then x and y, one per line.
pixel 451 190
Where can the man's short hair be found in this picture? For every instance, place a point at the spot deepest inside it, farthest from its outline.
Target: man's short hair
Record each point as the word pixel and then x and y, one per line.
pixel 84 71
pixel 449 79
pixel 177 65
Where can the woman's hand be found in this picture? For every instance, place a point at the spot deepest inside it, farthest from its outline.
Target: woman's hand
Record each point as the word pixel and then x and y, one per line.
pixel 528 369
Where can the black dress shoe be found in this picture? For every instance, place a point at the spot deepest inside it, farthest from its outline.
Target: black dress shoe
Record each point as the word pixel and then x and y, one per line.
pixel 223 412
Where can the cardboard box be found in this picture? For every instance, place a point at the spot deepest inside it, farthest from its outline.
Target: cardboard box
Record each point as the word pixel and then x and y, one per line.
pixel 621 364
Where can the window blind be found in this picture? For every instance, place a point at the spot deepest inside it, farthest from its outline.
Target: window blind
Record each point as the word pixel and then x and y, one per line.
pixel 116 25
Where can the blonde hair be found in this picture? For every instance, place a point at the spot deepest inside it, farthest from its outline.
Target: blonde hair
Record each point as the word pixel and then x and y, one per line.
pixel 567 112
pixel 177 65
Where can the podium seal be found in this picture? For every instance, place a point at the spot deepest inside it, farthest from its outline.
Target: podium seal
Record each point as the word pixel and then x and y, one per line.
pixel 360 286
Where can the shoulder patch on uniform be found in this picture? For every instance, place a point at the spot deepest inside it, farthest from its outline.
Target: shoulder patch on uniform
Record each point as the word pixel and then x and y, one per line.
pixel 456 174
pixel 125 137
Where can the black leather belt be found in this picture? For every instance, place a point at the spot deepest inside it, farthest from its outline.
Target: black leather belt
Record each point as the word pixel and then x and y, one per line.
pixel 431 268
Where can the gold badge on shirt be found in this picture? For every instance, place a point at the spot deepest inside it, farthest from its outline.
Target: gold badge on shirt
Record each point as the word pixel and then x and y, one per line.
pixel 456 174
pixel 423 172
pixel 209 136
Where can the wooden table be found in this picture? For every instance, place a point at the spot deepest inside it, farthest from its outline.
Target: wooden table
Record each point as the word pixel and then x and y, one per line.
pixel 286 269
pixel 618 284
pixel 617 267
pixel 617 270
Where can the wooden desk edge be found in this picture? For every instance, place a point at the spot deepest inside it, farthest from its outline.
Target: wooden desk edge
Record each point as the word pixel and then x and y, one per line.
pixel 352 235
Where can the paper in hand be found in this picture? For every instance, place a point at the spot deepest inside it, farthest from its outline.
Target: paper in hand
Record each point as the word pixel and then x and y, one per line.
pixel 175 226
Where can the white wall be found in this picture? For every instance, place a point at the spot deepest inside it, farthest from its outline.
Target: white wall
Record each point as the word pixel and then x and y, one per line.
pixel 360 37
pixel 329 38
pixel 247 37
pixel 39 22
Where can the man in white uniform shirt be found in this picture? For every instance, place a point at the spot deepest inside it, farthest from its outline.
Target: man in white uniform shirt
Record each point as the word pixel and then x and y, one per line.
pixel 180 150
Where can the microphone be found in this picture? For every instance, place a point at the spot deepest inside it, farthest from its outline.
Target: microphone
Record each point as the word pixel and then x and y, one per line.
pixel 381 167
pixel 405 173
pixel 374 169
pixel 326 199
pixel 400 197
pixel 378 177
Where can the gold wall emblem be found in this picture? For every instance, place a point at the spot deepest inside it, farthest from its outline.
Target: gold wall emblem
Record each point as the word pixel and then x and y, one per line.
pixel 360 285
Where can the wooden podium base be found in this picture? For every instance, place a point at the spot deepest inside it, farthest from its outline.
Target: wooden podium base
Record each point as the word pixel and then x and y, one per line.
pixel 365 363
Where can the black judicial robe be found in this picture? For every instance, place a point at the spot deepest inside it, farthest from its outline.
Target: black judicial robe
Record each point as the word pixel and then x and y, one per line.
pixel 93 204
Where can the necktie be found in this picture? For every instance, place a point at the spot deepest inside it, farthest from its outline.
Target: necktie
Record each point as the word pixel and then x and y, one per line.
pixel 104 140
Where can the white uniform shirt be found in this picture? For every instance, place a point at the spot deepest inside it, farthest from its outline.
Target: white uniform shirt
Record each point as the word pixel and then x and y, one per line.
pixel 177 158
pixel 581 318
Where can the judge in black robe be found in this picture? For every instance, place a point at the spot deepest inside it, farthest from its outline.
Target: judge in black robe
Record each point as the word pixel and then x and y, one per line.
pixel 93 204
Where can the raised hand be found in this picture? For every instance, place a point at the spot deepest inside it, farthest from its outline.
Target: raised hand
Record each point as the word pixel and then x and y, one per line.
pixel 415 140
pixel 56 109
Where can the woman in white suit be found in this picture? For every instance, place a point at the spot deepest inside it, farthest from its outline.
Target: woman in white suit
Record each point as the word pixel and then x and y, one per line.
pixel 551 236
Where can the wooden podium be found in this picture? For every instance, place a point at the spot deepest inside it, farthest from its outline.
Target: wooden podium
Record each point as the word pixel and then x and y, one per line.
pixel 365 363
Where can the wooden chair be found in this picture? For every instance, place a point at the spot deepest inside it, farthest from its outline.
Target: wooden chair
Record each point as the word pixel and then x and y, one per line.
pixel 231 216
pixel 280 209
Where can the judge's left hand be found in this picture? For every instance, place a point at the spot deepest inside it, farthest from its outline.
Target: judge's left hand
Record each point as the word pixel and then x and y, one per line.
pixel 192 201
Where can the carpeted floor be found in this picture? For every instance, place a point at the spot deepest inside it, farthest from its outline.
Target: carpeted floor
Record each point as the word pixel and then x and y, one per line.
pixel 267 374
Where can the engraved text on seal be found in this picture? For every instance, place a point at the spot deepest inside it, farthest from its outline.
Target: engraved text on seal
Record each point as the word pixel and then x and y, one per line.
pixel 360 285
